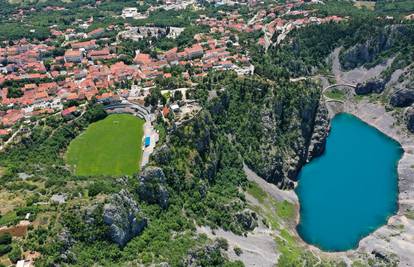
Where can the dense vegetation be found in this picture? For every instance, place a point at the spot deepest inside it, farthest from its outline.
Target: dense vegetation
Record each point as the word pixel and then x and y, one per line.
pixel 306 51
pixel 202 163
pixel 396 7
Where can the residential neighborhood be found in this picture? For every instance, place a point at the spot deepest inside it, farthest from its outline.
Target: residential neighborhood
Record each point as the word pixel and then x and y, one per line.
pixel 77 65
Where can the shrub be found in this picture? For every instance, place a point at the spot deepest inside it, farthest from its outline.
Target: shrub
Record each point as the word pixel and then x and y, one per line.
pixel 238 251
pixel 5 239
pixel 15 254
pixel 4 249
pixel 222 243
pixel 101 186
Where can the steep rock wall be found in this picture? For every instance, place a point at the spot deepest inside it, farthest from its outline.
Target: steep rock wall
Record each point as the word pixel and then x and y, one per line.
pixel 278 129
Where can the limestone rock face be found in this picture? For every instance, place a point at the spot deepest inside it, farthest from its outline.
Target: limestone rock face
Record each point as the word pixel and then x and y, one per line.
pixel 369 50
pixel 66 255
pixel 402 98
pixel 162 155
pixel 320 132
pixel 281 165
pixel 410 119
pixel 122 215
pixel 371 86
pixel 352 57
pixel 198 256
pixel 248 219
pixel 152 186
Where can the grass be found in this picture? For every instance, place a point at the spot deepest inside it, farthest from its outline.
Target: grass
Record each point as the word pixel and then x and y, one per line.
pixel 274 212
pixel 257 192
pixel 111 147
pixel 410 215
pixel 358 98
pixel 285 209
pixel 365 4
pixel 335 94
pixel 8 218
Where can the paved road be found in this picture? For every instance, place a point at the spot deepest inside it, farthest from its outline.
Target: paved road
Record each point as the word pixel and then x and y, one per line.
pixel 147 151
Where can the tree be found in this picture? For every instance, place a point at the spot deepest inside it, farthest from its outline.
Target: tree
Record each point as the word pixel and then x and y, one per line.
pixel 14 92
pixel 4 249
pixel 238 251
pixel 5 239
pixel 15 254
pixel 178 95
pixel 222 243
pixel 95 113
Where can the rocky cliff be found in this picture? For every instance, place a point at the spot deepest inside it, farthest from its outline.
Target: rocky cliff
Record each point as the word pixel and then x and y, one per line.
pixel 402 98
pixel 306 139
pixel 320 132
pixel 371 86
pixel 248 219
pixel 375 43
pixel 65 238
pixel 152 186
pixel 206 255
pixel 122 215
pixel 278 129
pixel 409 116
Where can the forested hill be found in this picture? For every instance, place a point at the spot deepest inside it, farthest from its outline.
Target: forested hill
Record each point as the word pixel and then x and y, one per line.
pixel 195 178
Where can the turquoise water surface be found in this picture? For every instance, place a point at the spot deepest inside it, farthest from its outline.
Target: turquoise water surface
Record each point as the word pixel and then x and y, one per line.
pixel 351 189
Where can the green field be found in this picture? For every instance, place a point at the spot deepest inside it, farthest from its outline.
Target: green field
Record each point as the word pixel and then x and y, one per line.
pixel 335 94
pixel 112 147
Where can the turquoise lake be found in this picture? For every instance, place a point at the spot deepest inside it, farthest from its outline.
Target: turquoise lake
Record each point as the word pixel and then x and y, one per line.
pixel 352 189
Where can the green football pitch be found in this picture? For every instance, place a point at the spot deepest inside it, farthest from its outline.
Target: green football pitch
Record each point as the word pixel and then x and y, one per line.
pixel 112 147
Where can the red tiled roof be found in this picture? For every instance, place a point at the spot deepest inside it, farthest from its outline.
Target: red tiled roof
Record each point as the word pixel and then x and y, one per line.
pixel 73 53
pixel 68 111
pixel 165 111
pixel 142 59
pixel 4 132
pixel 86 44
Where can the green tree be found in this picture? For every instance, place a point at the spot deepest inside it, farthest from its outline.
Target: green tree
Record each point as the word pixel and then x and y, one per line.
pixel 178 95
pixel 5 238
pixel 15 254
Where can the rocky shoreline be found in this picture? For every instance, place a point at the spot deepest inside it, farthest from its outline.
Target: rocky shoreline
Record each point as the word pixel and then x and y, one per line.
pixel 395 240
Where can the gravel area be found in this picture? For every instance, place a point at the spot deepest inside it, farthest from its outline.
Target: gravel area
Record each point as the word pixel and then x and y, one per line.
pixel 357 75
pixel 258 247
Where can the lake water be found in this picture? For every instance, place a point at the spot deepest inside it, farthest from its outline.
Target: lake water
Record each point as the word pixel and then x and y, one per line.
pixel 350 190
